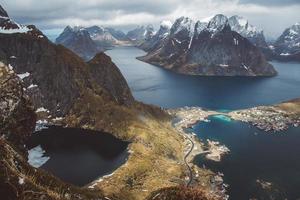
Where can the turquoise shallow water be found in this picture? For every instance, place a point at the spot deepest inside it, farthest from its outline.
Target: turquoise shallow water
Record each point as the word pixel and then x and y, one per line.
pixel 223 118
pixel 255 155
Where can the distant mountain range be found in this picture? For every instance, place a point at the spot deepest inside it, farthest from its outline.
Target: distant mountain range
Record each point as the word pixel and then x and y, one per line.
pixel 87 41
pixel 141 33
pixel 210 48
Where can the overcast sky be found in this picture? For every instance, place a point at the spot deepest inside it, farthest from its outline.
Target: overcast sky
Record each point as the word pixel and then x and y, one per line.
pixel 271 15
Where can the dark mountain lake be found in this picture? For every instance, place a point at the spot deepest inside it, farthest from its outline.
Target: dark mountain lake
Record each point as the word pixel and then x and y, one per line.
pixel 75 155
pixel 161 87
pixel 256 157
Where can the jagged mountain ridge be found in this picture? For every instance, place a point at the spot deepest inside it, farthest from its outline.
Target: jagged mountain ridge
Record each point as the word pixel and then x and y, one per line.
pixel 158 37
pixel 287 46
pixel 88 41
pixel 55 74
pixel 209 49
pixel 79 41
pixel 244 28
pixel 140 33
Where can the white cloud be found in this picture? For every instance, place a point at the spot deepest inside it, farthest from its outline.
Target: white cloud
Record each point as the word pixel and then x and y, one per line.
pixel 272 15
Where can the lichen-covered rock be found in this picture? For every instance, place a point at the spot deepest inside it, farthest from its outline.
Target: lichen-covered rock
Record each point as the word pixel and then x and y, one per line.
pixel 17 117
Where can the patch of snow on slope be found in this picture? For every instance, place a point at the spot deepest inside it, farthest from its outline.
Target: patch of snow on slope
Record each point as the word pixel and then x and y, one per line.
pixel 217 24
pixel 24 75
pixel 207 19
pixel 41 109
pixel 36 156
pixel 20 29
pixel 166 24
pixel 285 54
pixel 32 86
pixel 41 124
pixel 21 181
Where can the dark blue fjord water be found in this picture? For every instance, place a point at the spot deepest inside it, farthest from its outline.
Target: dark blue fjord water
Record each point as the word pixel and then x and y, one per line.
pixel 255 155
pixel 161 87
pixel 76 155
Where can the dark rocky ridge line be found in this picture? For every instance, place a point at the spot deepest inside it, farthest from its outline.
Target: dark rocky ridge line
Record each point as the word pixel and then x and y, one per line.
pixel 58 73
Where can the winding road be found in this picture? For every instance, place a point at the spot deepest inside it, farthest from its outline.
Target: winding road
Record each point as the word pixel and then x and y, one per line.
pixel 188 166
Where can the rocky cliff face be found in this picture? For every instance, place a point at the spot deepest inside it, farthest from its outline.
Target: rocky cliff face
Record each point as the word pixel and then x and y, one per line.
pixel 107 74
pixel 287 46
pixel 79 41
pixel 209 49
pixel 17 117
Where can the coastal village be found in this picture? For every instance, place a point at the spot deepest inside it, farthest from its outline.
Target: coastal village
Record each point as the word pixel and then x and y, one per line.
pixel 267 118
pixel 185 118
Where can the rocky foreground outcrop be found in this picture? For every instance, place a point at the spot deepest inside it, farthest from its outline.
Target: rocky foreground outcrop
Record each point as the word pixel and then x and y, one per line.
pixel 18 180
pixel 211 49
pixel 54 77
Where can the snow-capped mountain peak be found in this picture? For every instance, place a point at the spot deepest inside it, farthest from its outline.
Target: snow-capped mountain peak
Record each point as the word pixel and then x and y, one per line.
pixel 166 24
pixel 288 44
pixel 242 26
pixel 207 19
pixel 78 29
pixel 292 33
pixel 200 26
pixel 183 24
pixel 8 26
pixel 217 23
pixel 238 21
pixel 296 28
